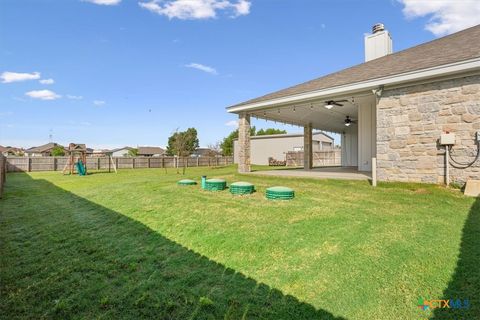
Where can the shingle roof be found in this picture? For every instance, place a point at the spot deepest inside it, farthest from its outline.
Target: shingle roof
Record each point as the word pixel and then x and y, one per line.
pixel 205 152
pixel 42 148
pixel 460 46
pixel 150 150
pixel 118 149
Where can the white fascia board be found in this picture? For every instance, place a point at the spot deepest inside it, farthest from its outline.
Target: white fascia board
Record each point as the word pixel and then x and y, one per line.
pixel 443 70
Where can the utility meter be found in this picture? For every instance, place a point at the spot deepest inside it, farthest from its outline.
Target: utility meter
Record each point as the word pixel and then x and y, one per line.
pixel 447 139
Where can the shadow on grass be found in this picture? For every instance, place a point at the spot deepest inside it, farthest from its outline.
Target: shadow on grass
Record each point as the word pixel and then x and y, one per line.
pixel 66 257
pixel 465 282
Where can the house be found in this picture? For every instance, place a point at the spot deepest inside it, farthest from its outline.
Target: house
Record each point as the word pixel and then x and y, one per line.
pixel 277 145
pixel 150 151
pixel 205 152
pixel 119 152
pixel 394 108
pixel 43 150
pixel 11 151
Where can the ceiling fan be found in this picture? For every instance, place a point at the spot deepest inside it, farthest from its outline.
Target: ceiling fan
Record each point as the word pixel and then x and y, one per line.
pixel 349 121
pixel 332 103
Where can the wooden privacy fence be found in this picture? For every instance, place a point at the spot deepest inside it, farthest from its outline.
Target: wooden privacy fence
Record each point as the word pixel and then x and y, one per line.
pixel 28 164
pixel 3 171
pixel 320 158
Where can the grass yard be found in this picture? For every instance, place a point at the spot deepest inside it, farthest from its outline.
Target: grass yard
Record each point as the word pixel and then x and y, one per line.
pixel 135 245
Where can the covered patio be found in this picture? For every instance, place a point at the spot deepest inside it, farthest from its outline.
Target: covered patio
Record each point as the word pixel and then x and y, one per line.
pixel 352 116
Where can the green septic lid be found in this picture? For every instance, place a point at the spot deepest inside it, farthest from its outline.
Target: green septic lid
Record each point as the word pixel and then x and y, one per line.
pixel 186 181
pixel 279 189
pixel 241 184
pixel 216 180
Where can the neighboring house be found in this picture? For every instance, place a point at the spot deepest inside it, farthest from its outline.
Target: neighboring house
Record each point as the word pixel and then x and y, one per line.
pixel 120 152
pixel 43 150
pixel 97 152
pixel 12 151
pixel 150 151
pixel 394 107
pixel 277 145
pixel 205 152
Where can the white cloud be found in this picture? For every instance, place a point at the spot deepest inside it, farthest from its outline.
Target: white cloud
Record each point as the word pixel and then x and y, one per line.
pixel 72 97
pixel 232 123
pixel 196 9
pixel 104 2
pixel 8 77
pixel 202 67
pixel 446 16
pixel 47 81
pixel 98 103
pixel 242 8
pixel 43 95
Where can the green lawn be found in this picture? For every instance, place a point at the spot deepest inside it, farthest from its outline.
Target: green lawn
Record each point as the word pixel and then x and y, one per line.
pixel 135 245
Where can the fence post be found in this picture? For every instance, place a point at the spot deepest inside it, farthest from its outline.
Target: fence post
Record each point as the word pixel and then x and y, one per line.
pixel 116 163
pixel 149 162
pixel 198 161
pixel 29 164
pixel 163 162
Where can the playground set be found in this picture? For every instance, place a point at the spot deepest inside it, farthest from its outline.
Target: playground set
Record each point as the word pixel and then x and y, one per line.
pixel 77 160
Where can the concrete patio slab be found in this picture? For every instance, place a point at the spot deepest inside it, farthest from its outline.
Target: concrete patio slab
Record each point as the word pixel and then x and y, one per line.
pixel 344 173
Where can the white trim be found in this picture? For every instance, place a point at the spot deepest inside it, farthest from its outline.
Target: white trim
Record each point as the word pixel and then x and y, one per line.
pixel 442 70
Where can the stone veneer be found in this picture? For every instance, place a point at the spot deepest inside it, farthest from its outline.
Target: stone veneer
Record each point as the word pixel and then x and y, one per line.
pixel 307 147
pixel 410 121
pixel 244 142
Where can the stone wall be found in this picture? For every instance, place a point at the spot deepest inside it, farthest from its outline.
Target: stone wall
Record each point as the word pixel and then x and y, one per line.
pixel 410 121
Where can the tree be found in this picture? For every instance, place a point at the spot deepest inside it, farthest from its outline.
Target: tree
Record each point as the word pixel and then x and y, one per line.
pixel 264 132
pixel 58 151
pixel 213 150
pixel 182 144
pixel 133 152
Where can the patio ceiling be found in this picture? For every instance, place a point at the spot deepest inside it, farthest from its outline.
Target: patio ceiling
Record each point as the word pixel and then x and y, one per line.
pixel 314 112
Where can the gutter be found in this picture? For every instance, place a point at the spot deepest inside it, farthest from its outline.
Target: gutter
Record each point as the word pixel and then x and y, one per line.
pixel 443 70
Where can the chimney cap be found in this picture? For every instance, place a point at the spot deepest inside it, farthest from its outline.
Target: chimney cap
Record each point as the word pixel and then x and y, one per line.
pixel 377 27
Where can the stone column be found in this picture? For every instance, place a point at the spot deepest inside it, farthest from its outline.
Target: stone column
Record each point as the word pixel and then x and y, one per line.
pixel 307 147
pixel 244 142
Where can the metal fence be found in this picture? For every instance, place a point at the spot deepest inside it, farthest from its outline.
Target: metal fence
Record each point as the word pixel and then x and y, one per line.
pixel 29 164
pixel 320 158
pixel 3 173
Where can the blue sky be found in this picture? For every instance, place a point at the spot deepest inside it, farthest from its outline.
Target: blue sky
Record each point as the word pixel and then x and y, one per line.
pixel 130 72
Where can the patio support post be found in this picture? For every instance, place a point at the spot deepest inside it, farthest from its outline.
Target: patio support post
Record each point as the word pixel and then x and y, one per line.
pixel 307 147
pixel 244 142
